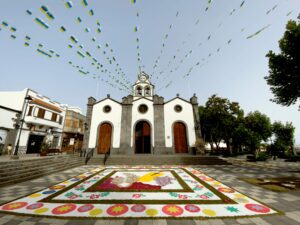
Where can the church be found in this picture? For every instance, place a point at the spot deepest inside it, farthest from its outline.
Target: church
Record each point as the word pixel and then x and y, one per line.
pixel 142 123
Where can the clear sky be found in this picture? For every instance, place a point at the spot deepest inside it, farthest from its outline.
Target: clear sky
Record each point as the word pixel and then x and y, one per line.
pixel 187 46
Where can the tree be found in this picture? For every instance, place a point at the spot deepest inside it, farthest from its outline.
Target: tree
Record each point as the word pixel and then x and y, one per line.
pixel 218 120
pixel 284 137
pixel 284 68
pixel 258 128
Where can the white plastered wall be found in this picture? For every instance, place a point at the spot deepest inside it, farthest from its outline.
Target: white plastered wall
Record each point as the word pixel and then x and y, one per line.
pixel 137 116
pixel 99 117
pixel 186 116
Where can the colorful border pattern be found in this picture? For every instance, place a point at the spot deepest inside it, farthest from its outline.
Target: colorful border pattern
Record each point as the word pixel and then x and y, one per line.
pixel 209 199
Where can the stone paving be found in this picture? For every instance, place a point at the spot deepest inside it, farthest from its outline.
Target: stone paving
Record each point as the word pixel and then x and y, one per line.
pixel 288 202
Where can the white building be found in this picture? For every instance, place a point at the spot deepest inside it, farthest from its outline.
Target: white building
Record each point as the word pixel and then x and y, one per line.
pixel 43 120
pixel 142 123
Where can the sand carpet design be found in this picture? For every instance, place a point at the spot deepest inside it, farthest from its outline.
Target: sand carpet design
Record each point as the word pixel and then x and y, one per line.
pixel 138 192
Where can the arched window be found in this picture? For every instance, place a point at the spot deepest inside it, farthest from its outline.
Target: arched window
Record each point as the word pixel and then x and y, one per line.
pixel 147 91
pixel 139 91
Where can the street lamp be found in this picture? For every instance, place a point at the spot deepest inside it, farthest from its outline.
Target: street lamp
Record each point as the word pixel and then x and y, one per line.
pixel 27 99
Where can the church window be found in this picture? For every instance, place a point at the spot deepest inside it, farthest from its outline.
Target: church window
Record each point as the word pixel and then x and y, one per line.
pixel 143 108
pixel 147 91
pixel 106 109
pixel 139 91
pixel 178 108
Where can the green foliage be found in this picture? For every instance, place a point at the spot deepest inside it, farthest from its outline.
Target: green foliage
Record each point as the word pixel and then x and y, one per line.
pixel 284 69
pixel 258 128
pixel 46 145
pixel 219 118
pixel 262 156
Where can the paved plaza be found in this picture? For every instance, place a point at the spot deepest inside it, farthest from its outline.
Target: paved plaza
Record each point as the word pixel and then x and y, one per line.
pixel 287 202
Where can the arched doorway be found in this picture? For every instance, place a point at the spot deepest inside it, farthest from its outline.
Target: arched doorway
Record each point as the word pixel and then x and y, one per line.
pixel 180 140
pixel 104 138
pixel 142 138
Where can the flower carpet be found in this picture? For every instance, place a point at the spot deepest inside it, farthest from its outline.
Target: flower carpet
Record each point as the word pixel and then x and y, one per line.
pixel 138 192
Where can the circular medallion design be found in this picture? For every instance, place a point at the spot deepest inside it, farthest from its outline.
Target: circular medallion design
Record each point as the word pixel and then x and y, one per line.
pixel 106 109
pixel 117 210
pixel 95 212
pixel 41 210
pixel 178 108
pixel 151 212
pixel 85 208
pixel 226 190
pixel 34 195
pixel 172 210
pixel 143 108
pixel 192 208
pixel 35 206
pixel 207 179
pixel 57 187
pixel 63 209
pixel 209 212
pixel 138 208
pixel 257 208
pixel 15 205
pixel 48 192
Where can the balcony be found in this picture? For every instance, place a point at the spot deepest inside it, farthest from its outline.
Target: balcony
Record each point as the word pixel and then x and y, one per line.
pixel 42 122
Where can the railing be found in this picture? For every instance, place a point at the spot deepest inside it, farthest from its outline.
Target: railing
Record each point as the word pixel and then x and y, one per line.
pixel 89 155
pixel 107 154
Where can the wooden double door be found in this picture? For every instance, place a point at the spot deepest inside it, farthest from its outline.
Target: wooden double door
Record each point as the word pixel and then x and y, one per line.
pixel 180 138
pixel 104 138
pixel 142 138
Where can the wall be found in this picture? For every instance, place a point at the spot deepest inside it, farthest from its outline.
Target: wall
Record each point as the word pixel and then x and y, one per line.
pixel 137 116
pixel 186 116
pixel 12 99
pixel 99 116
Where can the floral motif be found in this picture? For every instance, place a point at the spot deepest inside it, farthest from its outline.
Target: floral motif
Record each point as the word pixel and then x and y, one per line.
pixel 257 208
pixel 226 190
pixel 138 208
pixel 63 209
pixel 172 210
pixel 192 208
pixel 117 210
pixel 14 205
pixel 35 206
pixel 232 209
pixel 85 208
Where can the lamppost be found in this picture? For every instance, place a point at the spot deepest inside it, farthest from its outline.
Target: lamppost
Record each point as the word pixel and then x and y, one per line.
pixel 27 99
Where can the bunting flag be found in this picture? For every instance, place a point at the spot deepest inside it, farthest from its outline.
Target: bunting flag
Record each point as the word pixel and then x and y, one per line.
pixel 69 4
pixel 41 23
pixel 258 32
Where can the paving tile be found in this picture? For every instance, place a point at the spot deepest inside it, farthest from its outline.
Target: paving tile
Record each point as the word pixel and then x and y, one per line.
pixel 160 222
pixel 216 222
pixel 27 223
pixel 103 222
pixel 131 222
pixel 13 222
pixel 116 222
pixel 83 222
pixel 201 222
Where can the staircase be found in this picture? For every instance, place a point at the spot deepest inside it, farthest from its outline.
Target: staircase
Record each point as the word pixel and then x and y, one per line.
pixel 158 160
pixel 15 171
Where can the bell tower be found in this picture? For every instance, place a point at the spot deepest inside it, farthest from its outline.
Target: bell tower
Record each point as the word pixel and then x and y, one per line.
pixel 143 87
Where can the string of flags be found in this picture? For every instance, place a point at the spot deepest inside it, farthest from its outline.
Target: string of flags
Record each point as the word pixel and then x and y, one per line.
pixel 98 60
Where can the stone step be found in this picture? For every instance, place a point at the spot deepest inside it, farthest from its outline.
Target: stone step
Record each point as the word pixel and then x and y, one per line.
pixel 22 170
pixel 37 175
pixel 13 163
pixel 27 168
pixel 159 160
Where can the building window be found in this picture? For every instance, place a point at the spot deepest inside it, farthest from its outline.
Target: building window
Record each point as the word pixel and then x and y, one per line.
pixel 147 91
pixel 54 117
pixel 178 108
pixel 41 113
pixel 106 109
pixel 139 91
pixel 60 119
pixel 143 108
pixel 30 110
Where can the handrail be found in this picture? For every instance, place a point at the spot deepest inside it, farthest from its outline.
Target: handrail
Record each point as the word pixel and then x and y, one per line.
pixel 89 155
pixel 107 154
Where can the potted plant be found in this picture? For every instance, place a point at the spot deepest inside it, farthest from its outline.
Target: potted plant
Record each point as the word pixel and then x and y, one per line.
pixel 46 145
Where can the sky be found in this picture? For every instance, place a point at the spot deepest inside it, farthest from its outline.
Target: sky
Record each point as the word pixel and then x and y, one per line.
pixel 186 46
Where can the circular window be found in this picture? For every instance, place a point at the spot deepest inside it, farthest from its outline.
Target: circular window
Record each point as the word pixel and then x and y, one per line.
pixel 106 109
pixel 178 108
pixel 143 108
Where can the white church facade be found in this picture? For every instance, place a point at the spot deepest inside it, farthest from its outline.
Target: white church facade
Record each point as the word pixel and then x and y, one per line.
pixel 143 123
